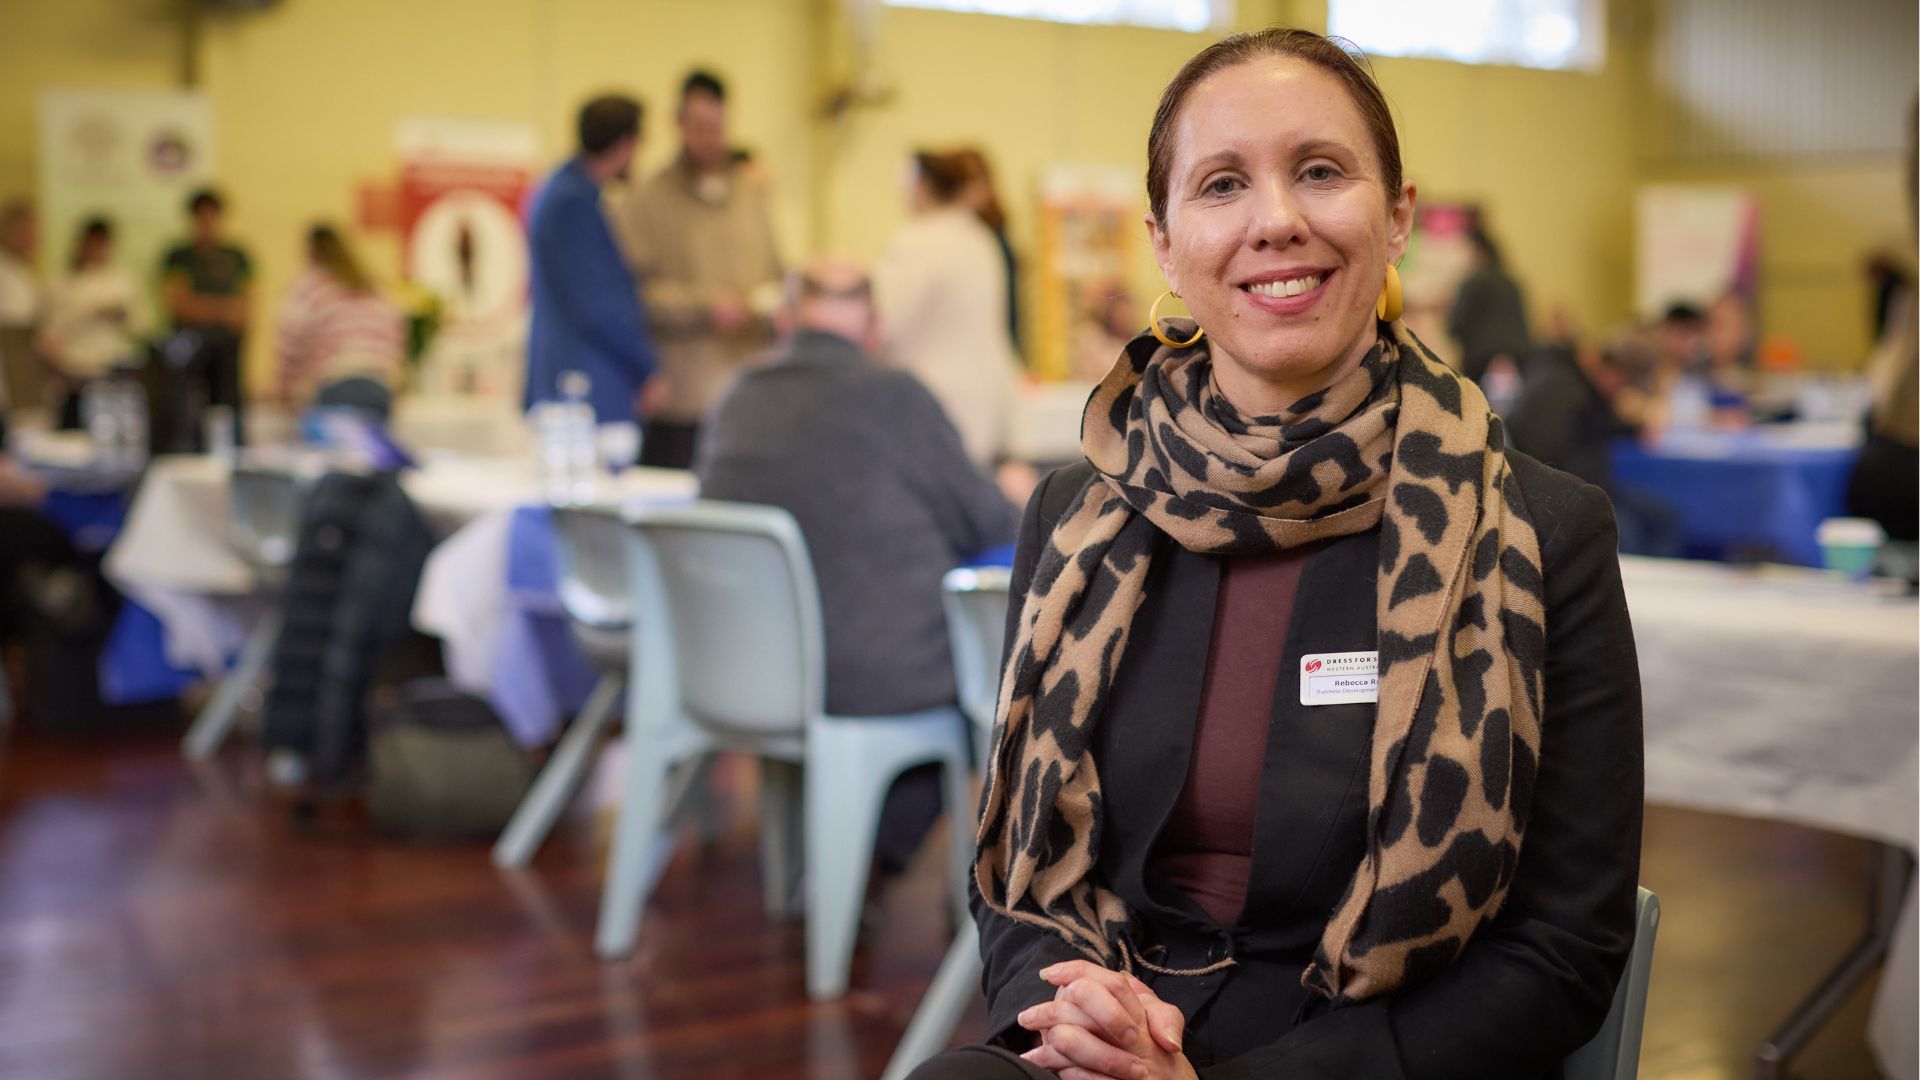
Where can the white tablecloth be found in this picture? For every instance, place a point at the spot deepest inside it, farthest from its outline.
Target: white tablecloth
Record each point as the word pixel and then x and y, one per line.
pixel 1778 693
pixel 1045 422
pixel 489 427
pixel 173 556
pixel 1783 694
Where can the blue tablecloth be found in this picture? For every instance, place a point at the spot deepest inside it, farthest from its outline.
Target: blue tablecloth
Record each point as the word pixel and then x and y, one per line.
pixel 133 666
pixel 1740 494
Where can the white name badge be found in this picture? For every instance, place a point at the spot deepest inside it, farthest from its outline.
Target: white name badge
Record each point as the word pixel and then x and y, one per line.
pixel 1337 678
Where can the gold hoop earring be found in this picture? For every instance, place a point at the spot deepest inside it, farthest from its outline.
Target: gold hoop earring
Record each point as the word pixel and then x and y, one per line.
pixel 1391 302
pixel 1153 325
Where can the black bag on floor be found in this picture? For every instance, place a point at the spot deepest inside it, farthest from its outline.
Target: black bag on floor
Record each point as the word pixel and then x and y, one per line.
pixel 441 764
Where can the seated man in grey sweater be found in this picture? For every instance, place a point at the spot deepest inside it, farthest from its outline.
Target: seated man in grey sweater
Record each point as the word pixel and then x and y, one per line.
pixel 865 460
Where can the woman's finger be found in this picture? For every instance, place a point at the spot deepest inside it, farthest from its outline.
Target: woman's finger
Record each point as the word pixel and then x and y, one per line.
pixel 1089 1051
pixel 1047 1058
pixel 1048 1013
pixel 1122 1026
pixel 1068 970
pixel 1167 1023
pixel 1122 992
pixel 1075 1072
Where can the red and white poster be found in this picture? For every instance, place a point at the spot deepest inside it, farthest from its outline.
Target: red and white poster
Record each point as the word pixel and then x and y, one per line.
pixel 463 185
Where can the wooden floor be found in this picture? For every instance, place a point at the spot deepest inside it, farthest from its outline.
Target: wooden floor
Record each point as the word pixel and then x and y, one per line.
pixel 157 921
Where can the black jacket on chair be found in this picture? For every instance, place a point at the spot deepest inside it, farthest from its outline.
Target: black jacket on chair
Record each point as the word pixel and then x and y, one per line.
pixel 349 600
pixel 1533 985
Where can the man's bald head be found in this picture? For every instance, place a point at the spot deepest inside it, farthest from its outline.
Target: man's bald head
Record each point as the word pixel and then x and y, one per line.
pixel 833 295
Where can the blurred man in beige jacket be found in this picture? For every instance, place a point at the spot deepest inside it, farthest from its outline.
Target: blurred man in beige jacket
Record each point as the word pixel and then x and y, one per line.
pixel 701 241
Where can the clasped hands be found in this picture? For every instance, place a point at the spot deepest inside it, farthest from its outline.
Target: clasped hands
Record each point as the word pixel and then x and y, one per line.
pixel 1105 1025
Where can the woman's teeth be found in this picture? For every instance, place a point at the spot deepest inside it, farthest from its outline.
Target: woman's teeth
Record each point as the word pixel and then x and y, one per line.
pixel 1290 287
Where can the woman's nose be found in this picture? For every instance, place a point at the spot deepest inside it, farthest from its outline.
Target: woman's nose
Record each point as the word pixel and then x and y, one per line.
pixel 1277 220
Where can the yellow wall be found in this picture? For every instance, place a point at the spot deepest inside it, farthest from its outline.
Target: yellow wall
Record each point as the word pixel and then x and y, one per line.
pixel 61 43
pixel 306 96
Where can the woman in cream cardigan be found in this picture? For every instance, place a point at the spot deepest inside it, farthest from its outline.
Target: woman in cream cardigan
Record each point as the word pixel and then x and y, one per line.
pixel 942 290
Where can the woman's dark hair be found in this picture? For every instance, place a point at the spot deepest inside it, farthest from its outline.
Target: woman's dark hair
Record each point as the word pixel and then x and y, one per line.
pixel 946 175
pixel 95 227
pixel 1335 56
pixel 1482 242
pixel 606 120
pixel 330 253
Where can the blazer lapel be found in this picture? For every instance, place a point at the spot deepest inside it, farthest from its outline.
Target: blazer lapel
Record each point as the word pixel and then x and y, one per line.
pixel 1146 738
pixel 1309 829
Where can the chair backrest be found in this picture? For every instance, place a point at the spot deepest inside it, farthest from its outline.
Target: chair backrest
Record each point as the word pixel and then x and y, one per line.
pixel 264 524
pixel 744 613
pixel 1614 1053
pixel 595 588
pixel 976 605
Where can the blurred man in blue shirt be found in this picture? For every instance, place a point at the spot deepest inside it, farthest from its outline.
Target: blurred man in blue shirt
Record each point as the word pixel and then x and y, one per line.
pixel 586 309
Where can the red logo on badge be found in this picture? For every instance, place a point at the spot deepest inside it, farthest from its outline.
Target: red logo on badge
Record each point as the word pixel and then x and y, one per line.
pixel 1313 665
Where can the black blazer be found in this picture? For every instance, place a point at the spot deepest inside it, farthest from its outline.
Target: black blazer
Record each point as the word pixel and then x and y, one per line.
pixel 1531 986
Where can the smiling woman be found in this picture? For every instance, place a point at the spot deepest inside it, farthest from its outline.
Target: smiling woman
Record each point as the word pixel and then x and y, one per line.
pixel 1187 865
pixel 1268 221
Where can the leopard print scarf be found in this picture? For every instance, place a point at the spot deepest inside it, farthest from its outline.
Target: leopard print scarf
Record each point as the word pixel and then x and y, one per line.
pixel 1401 442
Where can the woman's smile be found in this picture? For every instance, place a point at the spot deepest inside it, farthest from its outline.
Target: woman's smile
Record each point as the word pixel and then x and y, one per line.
pixel 1286 292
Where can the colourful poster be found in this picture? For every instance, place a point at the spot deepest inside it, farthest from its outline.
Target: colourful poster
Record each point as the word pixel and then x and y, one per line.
pixel 1089 221
pixel 131 156
pixel 1439 257
pixel 463 185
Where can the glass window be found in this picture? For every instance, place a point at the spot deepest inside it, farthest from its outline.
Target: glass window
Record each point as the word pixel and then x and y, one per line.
pixel 1557 34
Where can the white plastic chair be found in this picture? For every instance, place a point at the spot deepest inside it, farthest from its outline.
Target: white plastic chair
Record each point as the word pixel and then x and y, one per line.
pixel 595 594
pixel 976 604
pixel 1614 1053
pixel 263 528
pixel 729 655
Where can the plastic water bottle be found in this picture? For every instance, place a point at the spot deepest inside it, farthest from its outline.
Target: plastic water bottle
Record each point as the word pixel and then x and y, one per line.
pixel 569 456
pixel 102 419
pixel 582 443
pixel 132 405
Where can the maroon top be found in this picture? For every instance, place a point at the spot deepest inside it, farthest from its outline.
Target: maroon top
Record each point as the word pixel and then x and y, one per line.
pixel 1207 846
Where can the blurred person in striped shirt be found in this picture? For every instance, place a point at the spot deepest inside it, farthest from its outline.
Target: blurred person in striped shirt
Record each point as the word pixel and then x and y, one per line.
pixel 334 324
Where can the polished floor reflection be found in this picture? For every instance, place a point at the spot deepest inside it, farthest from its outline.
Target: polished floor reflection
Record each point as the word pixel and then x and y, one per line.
pixel 160 921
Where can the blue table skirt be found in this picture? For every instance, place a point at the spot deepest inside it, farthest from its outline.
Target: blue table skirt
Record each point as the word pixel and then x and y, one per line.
pixel 133 666
pixel 1741 496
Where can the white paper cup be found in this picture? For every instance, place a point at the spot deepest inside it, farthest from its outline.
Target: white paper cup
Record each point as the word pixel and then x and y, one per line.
pixel 1849 545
